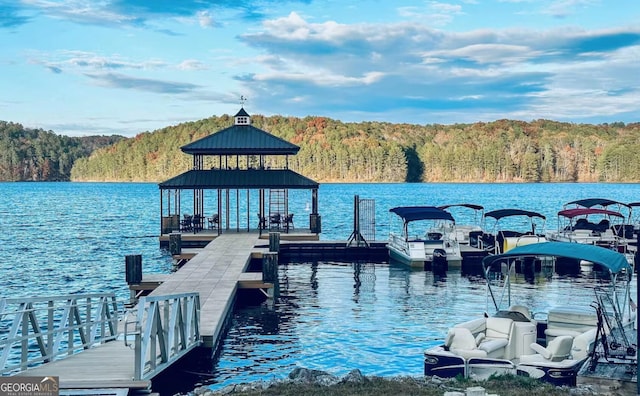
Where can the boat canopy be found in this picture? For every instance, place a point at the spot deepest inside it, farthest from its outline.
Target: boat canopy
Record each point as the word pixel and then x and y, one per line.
pixel 464 205
pixel 571 213
pixel 591 202
pixel 615 262
pixel 501 213
pixel 412 213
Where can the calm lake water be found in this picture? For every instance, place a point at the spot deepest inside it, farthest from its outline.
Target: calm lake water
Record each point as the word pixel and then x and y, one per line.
pixel 61 238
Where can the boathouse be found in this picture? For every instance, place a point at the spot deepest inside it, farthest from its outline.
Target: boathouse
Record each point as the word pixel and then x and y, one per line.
pixel 240 181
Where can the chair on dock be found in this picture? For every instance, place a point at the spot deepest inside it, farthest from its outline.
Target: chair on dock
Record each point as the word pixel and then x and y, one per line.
pixel 213 221
pixel 262 222
pixel 288 222
pixel 274 221
pixel 186 224
pixel 198 222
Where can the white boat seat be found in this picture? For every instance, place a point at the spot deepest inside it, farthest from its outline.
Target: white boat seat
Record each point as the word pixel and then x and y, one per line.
pixel 461 342
pixel 493 345
pixel 496 336
pixel 569 321
pixel 583 344
pixel 558 350
pixel 561 332
pixel 498 328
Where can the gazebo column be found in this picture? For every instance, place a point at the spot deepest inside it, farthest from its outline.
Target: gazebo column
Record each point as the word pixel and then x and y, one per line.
pixel 315 223
pixel 219 211
pixel 227 210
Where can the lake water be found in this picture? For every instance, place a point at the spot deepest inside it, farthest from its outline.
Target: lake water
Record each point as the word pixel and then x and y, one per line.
pixel 61 238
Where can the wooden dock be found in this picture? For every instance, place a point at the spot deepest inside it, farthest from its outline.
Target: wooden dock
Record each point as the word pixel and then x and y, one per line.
pixel 216 272
pixel 109 366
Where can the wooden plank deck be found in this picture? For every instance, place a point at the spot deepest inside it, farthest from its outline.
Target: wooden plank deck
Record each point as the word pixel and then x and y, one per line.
pixel 214 273
pixel 109 365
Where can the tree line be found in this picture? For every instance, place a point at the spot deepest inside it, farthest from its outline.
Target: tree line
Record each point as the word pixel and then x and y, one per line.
pixel 38 155
pixel 334 151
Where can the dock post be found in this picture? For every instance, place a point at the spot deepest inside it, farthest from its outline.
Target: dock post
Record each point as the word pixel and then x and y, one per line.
pixel 133 272
pixel 175 243
pixel 274 242
pixel 270 272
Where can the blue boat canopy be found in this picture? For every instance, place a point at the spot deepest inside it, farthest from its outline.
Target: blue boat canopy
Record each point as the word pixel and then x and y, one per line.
pixel 591 202
pixel 613 261
pixel 463 205
pixel 413 213
pixel 500 213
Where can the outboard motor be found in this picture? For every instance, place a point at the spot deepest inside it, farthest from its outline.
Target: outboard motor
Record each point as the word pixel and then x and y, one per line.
pixel 439 265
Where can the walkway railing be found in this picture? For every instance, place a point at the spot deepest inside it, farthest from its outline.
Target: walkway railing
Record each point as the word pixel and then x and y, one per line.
pixel 166 328
pixel 42 329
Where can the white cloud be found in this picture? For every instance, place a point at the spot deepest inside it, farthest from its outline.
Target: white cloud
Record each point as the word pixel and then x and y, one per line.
pixel 205 19
pixel 191 65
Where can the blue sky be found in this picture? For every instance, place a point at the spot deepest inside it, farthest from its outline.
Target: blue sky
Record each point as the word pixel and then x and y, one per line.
pixel 80 67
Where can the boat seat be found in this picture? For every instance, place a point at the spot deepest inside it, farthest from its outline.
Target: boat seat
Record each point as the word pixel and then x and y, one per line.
pixel 569 321
pixel 558 350
pixel 496 338
pixel 583 344
pixel 461 341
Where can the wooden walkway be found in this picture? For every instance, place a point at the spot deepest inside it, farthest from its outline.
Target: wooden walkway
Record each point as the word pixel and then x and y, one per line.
pixel 215 272
pixel 108 366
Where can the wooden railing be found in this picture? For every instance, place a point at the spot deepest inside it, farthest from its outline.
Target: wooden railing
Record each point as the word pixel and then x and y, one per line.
pixel 42 329
pixel 166 328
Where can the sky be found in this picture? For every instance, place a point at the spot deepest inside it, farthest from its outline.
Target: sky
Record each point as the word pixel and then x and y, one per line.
pixel 103 67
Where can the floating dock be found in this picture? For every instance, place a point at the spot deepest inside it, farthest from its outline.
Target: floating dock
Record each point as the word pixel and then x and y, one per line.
pixel 216 273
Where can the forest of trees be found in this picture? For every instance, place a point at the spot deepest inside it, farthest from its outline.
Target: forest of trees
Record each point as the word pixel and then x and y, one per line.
pixel 38 155
pixel 333 151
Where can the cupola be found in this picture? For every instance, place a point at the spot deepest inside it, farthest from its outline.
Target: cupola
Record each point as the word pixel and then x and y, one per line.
pixel 242 118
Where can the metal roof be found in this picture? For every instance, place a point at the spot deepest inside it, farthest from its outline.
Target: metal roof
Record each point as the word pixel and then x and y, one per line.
pixel 240 179
pixel 243 140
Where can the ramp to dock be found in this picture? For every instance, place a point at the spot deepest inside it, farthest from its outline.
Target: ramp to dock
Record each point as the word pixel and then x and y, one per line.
pixel 108 366
pixel 214 273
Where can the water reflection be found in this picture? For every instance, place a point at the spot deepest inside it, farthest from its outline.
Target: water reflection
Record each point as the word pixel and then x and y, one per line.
pixel 375 317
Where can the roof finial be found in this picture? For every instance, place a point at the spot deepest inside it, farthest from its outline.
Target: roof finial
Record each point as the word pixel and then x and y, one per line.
pixel 242 100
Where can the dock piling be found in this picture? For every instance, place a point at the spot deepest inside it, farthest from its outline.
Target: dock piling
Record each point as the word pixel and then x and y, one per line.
pixel 175 243
pixel 133 268
pixel 274 242
pixel 270 272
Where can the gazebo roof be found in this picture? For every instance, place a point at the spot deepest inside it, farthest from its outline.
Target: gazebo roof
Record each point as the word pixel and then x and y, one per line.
pixel 239 178
pixel 243 140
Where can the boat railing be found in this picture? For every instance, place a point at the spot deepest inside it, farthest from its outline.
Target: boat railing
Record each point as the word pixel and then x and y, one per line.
pixel 38 330
pixel 166 328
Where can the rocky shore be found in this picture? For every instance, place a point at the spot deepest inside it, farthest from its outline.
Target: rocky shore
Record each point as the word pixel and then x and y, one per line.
pixel 308 381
